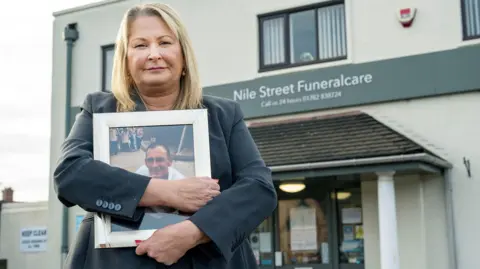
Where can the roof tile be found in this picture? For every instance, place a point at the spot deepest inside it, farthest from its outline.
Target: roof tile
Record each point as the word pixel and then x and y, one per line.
pixel 329 139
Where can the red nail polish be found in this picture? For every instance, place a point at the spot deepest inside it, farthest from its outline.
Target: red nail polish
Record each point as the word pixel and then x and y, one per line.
pixel 137 242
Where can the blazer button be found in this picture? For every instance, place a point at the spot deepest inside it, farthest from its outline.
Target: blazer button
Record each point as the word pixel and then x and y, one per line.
pixel 99 202
pixel 105 204
pixel 111 206
pixel 118 207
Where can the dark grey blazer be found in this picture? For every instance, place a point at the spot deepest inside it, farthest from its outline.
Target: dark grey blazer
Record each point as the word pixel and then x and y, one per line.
pixel 247 198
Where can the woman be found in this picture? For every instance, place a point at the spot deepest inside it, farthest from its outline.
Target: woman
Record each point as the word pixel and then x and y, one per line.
pixel 155 69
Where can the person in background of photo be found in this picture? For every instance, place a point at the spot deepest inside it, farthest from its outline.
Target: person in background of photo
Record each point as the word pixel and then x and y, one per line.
pixel 125 138
pixel 139 137
pixel 158 163
pixel 113 141
pixel 133 139
pixel 154 68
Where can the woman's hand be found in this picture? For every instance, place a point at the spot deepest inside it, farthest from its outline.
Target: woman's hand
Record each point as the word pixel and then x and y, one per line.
pixel 187 195
pixel 190 194
pixel 169 244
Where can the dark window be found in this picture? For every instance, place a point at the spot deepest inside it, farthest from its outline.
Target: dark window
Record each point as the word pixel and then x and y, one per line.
pixel 471 19
pixel 3 264
pixel 303 36
pixel 107 64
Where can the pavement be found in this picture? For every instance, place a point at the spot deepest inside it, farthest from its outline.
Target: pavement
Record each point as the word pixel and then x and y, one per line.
pixel 130 161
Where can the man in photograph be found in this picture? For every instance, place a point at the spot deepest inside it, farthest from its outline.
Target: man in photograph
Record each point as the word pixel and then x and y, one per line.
pixel 158 163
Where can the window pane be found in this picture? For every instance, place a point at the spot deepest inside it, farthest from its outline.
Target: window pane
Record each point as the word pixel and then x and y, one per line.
pixel 331 32
pixel 303 37
pixel 273 41
pixel 107 69
pixel 472 18
pixel 261 242
pixel 349 204
pixel 303 231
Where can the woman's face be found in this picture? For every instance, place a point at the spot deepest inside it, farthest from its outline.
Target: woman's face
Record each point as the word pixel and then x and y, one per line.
pixel 154 55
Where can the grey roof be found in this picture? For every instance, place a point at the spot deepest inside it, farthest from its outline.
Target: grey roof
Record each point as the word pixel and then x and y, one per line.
pixel 331 138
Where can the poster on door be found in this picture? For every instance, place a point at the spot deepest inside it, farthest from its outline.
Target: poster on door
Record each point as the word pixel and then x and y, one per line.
pixel 303 229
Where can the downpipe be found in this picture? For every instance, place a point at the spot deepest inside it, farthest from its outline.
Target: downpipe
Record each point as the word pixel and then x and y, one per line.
pixel 70 35
pixel 452 239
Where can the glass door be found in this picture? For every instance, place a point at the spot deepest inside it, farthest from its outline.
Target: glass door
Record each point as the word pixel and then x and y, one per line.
pixel 317 227
pixel 303 227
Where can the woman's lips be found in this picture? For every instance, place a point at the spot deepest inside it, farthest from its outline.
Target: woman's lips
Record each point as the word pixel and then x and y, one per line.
pixel 156 68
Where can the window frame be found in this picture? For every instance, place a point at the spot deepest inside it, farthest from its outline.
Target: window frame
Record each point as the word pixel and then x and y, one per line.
pixel 105 49
pixel 465 36
pixel 285 14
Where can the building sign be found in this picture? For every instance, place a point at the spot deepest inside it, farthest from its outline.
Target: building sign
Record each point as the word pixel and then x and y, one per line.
pixel 33 239
pixel 355 84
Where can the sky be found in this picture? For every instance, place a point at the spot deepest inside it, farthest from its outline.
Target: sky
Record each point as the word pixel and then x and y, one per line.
pixel 25 72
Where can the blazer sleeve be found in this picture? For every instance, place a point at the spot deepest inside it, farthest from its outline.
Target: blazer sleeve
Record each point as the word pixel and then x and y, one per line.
pixel 234 214
pixel 91 184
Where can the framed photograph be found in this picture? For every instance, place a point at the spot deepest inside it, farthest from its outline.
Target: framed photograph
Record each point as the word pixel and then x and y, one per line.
pixel 168 145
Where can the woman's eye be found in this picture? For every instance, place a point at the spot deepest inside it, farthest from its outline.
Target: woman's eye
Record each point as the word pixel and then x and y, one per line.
pixel 139 45
pixel 165 43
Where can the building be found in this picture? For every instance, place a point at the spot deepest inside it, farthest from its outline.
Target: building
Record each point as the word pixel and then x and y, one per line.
pixel 23 232
pixel 366 119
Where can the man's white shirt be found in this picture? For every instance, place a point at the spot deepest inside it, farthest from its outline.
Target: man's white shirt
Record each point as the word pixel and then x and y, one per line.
pixel 172 172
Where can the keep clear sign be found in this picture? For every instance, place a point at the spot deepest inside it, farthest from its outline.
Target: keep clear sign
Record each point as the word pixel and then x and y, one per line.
pixel 33 239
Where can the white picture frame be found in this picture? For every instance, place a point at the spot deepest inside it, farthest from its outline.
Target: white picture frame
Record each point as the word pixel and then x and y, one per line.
pixel 104 122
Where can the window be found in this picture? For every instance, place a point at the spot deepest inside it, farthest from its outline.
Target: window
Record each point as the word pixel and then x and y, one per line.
pixel 303 36
pixel 3 264
pixel 107 64
pixel 350 226
pixel 261 242
pixel 471 19
pixel 318 227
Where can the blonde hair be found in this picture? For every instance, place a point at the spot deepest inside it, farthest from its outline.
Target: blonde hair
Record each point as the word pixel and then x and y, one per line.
pixel 123 86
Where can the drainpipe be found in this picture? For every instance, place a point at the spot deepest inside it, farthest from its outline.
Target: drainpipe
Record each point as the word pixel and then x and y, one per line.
pixel 452 239
pixel 70 35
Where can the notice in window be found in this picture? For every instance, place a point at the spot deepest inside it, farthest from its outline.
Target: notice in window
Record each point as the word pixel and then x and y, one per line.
pixel 265 242
pixel 303 229
pixel 352 215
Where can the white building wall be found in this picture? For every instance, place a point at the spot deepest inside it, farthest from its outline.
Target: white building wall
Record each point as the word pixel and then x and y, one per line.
pixel 13 218
pixel 421 222
pixel 231 32
pixel 446 126
pixel 225 37
pixel 225 34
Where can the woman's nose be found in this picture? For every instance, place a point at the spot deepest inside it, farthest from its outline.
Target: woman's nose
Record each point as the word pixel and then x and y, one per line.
pixel 155 53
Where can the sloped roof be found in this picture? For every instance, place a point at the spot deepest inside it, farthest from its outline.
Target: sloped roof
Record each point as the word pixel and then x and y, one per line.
pixel 331 138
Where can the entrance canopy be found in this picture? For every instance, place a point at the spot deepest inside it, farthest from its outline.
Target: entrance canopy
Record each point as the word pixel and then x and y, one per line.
pixel 340 144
